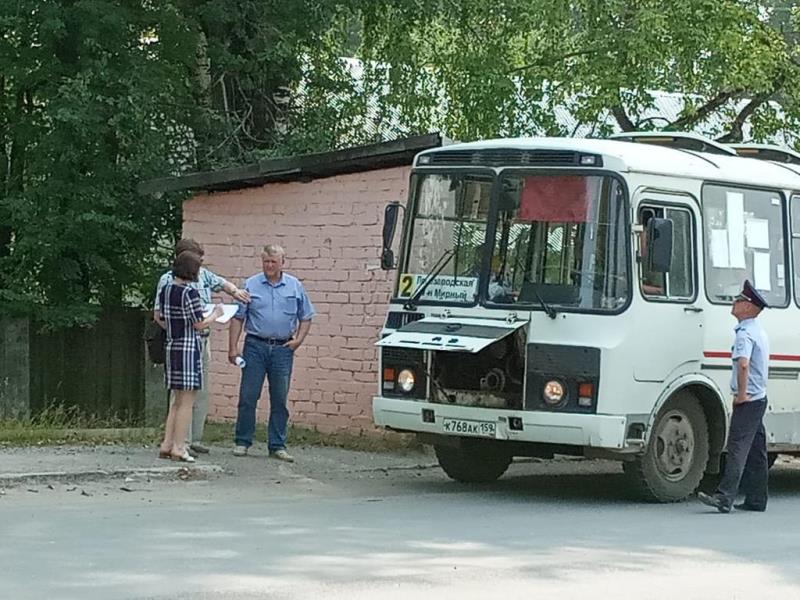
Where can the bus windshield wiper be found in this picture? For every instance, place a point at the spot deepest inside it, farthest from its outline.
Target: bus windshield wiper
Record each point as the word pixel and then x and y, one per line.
pixel 437 268
pixel 547 308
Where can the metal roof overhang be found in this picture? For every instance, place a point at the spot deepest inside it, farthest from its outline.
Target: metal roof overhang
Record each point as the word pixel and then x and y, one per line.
pixel 299 168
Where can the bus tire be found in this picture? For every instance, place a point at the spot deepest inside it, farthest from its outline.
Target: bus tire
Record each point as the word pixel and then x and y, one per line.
pixel 676 455
pixel 472 462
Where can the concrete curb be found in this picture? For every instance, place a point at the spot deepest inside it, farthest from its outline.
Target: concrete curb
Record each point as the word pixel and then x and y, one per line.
pixel 190 471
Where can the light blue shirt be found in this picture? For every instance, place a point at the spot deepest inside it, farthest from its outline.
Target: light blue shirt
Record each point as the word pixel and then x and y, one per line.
pixel 274 309
pixel 206 283
pixel 751 342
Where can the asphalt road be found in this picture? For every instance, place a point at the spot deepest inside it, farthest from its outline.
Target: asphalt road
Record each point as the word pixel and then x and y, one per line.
pixel 547 530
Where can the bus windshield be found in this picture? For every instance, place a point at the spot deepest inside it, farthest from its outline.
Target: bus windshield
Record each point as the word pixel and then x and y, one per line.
pixel 447 232
pixel 560 243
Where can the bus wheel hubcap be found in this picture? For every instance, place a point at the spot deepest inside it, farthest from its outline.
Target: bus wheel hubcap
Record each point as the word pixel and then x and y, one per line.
pixel 674 445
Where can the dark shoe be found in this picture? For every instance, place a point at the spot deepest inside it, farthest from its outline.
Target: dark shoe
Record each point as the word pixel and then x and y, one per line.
pixel 714 501
pixel 191 452
pixel 199 448
pixel 750 507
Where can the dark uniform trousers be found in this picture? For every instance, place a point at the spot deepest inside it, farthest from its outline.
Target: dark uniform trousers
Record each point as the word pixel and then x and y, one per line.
pixel 746 466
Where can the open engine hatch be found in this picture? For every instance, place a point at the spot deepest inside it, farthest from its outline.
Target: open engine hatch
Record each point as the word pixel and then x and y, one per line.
pixel 453 335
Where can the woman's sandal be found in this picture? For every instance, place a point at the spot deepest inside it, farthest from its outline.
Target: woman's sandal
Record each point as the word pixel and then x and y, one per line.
pixel 162 454
pixel 185 457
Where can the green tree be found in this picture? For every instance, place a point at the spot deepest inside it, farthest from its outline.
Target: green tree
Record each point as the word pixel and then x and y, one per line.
pixel 480 68
pixel 265 72
pixel 93 97
pixel 97 95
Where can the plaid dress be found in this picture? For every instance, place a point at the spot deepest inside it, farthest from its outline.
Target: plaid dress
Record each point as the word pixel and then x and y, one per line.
pixel 181 308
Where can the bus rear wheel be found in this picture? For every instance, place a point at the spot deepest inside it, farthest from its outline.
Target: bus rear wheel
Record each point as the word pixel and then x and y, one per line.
pixel 675 459
pixel 472 461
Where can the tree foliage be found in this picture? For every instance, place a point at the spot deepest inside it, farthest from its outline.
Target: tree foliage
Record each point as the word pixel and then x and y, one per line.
pixel 507 67
pixel 92 94
pixel 97 95
pixel 251 56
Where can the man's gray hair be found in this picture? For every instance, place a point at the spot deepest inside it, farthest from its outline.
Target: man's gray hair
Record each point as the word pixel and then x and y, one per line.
pixel 273 250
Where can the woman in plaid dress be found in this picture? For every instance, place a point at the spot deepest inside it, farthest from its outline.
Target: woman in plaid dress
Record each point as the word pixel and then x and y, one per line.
pixel 182 311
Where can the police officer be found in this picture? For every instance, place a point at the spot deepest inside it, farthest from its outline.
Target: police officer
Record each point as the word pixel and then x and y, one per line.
pixel 746 465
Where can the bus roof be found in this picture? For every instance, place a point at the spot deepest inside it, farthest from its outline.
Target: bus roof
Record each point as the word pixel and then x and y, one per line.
pixel 618 156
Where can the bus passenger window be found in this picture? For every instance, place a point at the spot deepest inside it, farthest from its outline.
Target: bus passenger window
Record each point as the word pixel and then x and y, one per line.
pixel 796 245
pixel 744 239
pixel 678 284
pixel 652 282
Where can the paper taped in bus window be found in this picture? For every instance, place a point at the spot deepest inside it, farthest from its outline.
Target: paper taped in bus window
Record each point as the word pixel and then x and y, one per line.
pixel 719 249
pixel 736 230
pixel 555 199
pixel 761 271
pixel 757 231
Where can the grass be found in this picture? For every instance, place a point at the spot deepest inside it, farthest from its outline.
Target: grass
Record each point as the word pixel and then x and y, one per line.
pixel 58 426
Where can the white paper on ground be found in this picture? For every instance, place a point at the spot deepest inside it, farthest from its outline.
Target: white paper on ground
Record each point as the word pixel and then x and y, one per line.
pixel 736 230
pixel 761 271
pixel 228 310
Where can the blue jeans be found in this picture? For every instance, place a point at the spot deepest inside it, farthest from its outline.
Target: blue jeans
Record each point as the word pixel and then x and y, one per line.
pixel 274 363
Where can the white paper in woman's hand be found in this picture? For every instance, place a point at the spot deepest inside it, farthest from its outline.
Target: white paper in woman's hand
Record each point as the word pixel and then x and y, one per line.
pixel 228 310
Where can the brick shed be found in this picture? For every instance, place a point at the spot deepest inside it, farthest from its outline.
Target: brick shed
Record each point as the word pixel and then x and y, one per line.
pixel 326 210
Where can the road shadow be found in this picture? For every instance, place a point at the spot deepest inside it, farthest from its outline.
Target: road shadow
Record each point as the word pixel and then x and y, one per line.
pixel 609 486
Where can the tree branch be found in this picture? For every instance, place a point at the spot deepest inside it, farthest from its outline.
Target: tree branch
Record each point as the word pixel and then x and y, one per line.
pixel 702 112
pixel 549 61
pixel 650 120
pixel 623 120
pixel 735 133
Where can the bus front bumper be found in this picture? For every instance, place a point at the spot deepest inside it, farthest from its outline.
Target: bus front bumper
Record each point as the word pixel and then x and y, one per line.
pixel 596 431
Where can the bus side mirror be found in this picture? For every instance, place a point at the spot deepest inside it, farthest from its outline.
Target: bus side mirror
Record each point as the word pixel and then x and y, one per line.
pixel 389 226
pixel 659 245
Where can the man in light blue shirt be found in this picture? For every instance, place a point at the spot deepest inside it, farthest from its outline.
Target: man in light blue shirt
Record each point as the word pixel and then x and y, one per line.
pixel 746 463
pixel 276 321
pixel 206 283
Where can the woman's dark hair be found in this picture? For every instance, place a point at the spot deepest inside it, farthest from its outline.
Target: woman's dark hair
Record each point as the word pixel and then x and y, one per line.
pixel 188 245
pixel 187 265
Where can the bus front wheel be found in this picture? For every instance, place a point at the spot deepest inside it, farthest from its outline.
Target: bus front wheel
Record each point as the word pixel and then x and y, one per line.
pixel 472 461
pixel 676 455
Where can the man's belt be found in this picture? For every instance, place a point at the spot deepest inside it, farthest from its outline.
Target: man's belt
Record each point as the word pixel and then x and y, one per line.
pixel 269 340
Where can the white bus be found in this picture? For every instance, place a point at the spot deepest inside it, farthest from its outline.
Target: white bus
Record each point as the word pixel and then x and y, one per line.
pixel 573 297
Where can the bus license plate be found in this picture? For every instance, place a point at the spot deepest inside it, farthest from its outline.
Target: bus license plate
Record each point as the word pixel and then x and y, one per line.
pixel 462 427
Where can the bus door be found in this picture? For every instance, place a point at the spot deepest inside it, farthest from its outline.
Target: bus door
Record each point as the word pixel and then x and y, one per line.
pixel 668 320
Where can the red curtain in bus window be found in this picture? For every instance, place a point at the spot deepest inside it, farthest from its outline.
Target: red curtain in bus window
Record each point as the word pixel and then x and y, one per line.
pixel 555 199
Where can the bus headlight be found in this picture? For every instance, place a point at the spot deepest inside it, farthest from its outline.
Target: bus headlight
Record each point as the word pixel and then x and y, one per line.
pixel 553 392
pixel 406 380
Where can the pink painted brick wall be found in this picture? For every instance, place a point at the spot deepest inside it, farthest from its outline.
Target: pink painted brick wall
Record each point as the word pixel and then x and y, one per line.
pixel 331 231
